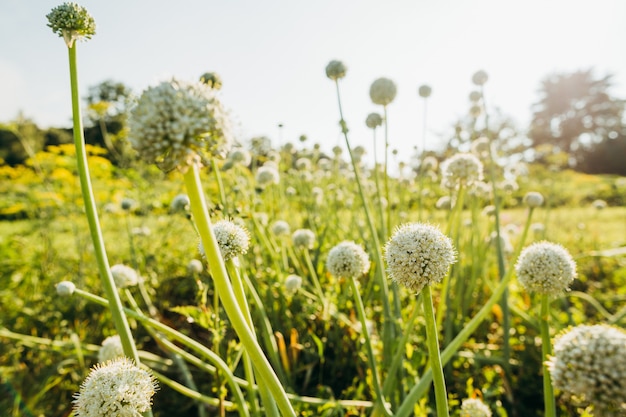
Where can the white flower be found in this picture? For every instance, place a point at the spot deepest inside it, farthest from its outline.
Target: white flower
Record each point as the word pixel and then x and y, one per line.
pixel 424 91
pixel 418 254
pixel 65 288
pixel 347 260
pixel 180 203
pixel 280 228
pixel 480 77
pixel 473 407
pixel 266 175
pixel 195 266
pixel 117 388
pixel 303 238
pixel 124 276
pixel 599 204
pixel 462 167
pixel 71 21
pixel 383 91
pixel 336 70
pixel 111 348
pixel 533 199
pixel 293 283
pixel 233 240
pixel 175 123
pixel 373 120
pixel 589 363
pixel 240 156
pixel 546 268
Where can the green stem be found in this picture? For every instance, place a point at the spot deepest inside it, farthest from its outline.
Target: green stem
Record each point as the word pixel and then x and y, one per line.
pixel 546 350
pixel 432 339
pixel 121 323
pixel 386 178
pixel 381 213
pixel 380 399
pixel 227 296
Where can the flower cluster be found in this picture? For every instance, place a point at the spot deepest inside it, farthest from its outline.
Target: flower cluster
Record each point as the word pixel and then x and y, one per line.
pixel 589 363
pixel 462 167
pixel 266 175
pixel 383 91
pixel 303 238
pixel 418 254
pixel 545 268
pixel 533 199
pixel 124 276
pixel 175 123
pixel 473 407
pixel 336 70
pixel 110 349
pixel 71 21
pixel 347 260
pixel 115 388
pixel 233 240
pixel 373 120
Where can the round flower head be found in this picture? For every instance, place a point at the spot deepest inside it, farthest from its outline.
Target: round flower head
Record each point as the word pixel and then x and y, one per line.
pixel 418 254
pixel 336 70
pixel 475 96
pixel 303 164
pixel 128 204
pixel 280 228
pixel 444 203
pixel 240 156
pixel 111 348
pixel 180 203
pixel 462 167
pixel 480 77
pixel 545 268
pixel 233 240
pixel 71 21
pixel 383 91
pixel 430 163
pixel 116 388
pixel 424 91
pixel 293 283
pixel 124 276
pixel 65 288
pixel 599 204
pixel 303 238
pixel 373 120
pixel 347 260
pixel 473 407
pixel 533 199
pixel 481 146
pixel 195 266
pixel 212 79
pixel 267 175
pixel 589 363
pixel 174 124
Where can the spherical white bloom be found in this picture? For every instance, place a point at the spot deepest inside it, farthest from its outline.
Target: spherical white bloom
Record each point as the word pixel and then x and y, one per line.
pixel 336 70
pixel 359 151
pixel 430 163
pixel 337 150
pixel 489 210
pixel 538 228
pixel 508 186
pixel 180 203
pixel 124 276
pixel 175 122
pixel 481 190
pixel 383 91
pixel 481 147
pixel 589 363
pixel 418 254
pixel 473 407
pixel 533 199
pixel 280 228
pixel 267 175
pixel 475 96
pixel 233 240
pixel 117 388
pixel 303 238
pixel 480 77
pixel 546 268
pixel 599 204
pixel 240 156
pixel 462 167
pixel 111 348
pixel 195 266
pixel 373 120
pixel 290 191
pixel 424 91
pixel 347 260
pixel 505 242
pixel 303 164
pixel 72 22
pixel 293 283
pixel 65 288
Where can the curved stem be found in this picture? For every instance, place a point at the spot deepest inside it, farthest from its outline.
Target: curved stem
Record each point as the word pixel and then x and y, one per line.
pixel 227 296
pixel 432 339
pixel 546 350
pixel 380 399
pixel 117 312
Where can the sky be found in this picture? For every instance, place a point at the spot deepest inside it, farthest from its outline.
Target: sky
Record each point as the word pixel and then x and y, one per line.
pixel 272 56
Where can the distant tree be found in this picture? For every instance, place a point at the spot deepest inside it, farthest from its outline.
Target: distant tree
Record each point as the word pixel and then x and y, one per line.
pixel 576 114
pixel 20 139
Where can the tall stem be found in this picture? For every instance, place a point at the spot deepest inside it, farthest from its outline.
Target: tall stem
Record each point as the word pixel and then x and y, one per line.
pixel 546 350
pixel 115 304
pixel 226 293
pixel 432 339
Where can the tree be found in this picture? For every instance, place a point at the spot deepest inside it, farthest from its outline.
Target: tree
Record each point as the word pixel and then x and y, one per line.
pixel 576 114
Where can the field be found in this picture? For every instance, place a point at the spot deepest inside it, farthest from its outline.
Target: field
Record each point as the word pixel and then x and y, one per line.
pixel 312 334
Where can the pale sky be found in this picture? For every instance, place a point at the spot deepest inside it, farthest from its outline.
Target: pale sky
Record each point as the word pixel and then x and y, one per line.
pixel 272 54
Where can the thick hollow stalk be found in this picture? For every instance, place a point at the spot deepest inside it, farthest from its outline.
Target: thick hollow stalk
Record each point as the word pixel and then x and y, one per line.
pixel 432 339
pixel 117 312
pixel 546 350
pixel 227 296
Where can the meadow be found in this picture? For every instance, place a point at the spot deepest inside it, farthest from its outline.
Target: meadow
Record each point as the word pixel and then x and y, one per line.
pixel 314 341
